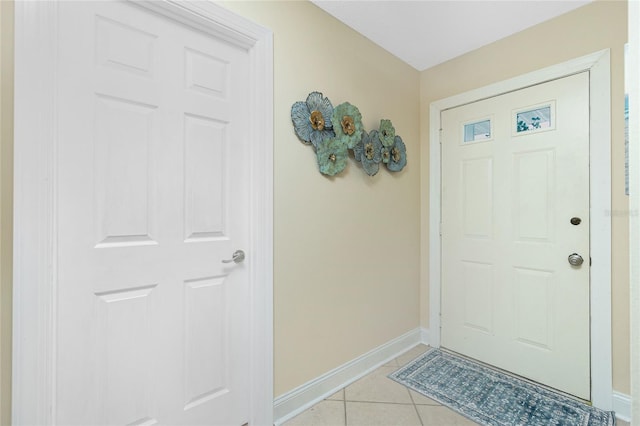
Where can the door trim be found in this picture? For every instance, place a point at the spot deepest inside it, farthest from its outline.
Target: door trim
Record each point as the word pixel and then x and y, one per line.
pixel 598 66
pixel 35 250
pixel 634 203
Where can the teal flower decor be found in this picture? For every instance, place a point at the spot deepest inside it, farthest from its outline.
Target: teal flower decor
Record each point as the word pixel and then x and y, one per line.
pixel 370 151
pixel 347 124
pixel 332 156
pixel 386 133
pixel 335 131
pixel 312 119
pixel 398 155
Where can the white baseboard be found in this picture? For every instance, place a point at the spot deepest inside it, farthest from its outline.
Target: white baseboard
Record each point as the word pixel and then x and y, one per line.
pixel 622 406
pixel 303 397
pixel 424 336
pixel 296 401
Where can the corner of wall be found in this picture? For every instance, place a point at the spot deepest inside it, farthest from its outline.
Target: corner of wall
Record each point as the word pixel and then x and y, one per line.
pixel 294 402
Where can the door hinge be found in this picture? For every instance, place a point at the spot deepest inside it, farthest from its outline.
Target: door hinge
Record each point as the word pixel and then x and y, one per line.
pixel 440 229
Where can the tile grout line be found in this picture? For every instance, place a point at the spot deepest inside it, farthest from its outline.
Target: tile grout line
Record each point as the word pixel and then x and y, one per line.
pixel 382 402
pixel 344 406
pixel 415 407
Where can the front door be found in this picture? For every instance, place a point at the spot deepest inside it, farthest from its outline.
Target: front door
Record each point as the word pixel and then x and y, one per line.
pixel 515 232
pixel 152 196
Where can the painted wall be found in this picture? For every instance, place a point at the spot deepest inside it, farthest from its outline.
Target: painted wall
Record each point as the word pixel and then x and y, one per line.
pixel 346 249
pixel 6 208
pixel 599 25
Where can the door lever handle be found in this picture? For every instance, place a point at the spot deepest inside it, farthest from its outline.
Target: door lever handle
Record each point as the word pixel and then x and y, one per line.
pixel 237 257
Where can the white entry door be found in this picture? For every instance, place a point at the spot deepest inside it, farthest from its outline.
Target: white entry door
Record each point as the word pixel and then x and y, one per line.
pixel 152 195
pixel 515 208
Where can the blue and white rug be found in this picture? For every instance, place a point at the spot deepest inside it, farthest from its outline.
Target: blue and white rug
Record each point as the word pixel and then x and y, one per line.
pixel 492 398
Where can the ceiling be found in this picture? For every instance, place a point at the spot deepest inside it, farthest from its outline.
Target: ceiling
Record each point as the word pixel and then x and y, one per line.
pixel 424 33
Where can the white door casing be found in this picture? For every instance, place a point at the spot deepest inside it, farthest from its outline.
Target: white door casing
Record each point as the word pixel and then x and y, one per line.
pixel 510 298
pixel 113 268
pixel 600 195
pixel 633 90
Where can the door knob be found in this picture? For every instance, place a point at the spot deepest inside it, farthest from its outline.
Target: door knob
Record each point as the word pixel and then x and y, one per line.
pixel 575 259
pixel 237 257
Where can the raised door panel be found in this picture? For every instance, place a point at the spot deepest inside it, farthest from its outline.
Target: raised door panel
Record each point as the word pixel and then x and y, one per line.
pixel 206 348
pixel 478 282
pixel 125 355
pixel 477 198
pixel 534 301
pixel 206 74
pixel 534 194
pixel 125 138
pixel 125 48
pixel 205 178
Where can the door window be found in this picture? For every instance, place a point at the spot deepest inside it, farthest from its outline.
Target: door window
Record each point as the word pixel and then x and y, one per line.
pixel 535 119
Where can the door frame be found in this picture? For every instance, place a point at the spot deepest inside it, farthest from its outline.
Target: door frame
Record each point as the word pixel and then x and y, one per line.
pixel 35 250
pixel 598 66
pixel 634 203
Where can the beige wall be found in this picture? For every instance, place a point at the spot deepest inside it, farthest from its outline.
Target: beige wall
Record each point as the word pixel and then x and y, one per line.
pixel 346 249
pixel 597 26
pixel 6 209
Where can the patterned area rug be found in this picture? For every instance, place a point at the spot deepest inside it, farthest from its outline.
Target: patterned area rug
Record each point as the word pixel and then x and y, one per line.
pixel 492 398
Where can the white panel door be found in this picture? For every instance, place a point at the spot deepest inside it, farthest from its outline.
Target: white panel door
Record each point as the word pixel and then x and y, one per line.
pixel 152 195
pixel 515 206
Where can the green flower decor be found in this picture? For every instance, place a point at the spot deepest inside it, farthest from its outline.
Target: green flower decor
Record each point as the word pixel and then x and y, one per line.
pixel 347 124
pixel 332 156
pixel 398 155
pixel 386 133
pixel 371 153
pixel 312 119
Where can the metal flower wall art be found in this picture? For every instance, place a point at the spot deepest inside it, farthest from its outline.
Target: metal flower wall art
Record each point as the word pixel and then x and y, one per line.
pixel 334 132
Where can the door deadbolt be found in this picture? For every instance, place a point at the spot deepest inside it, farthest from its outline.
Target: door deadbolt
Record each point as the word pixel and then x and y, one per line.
pixel 575 221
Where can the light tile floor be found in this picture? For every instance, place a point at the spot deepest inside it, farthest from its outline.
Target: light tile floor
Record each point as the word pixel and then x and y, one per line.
pixel 376 400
